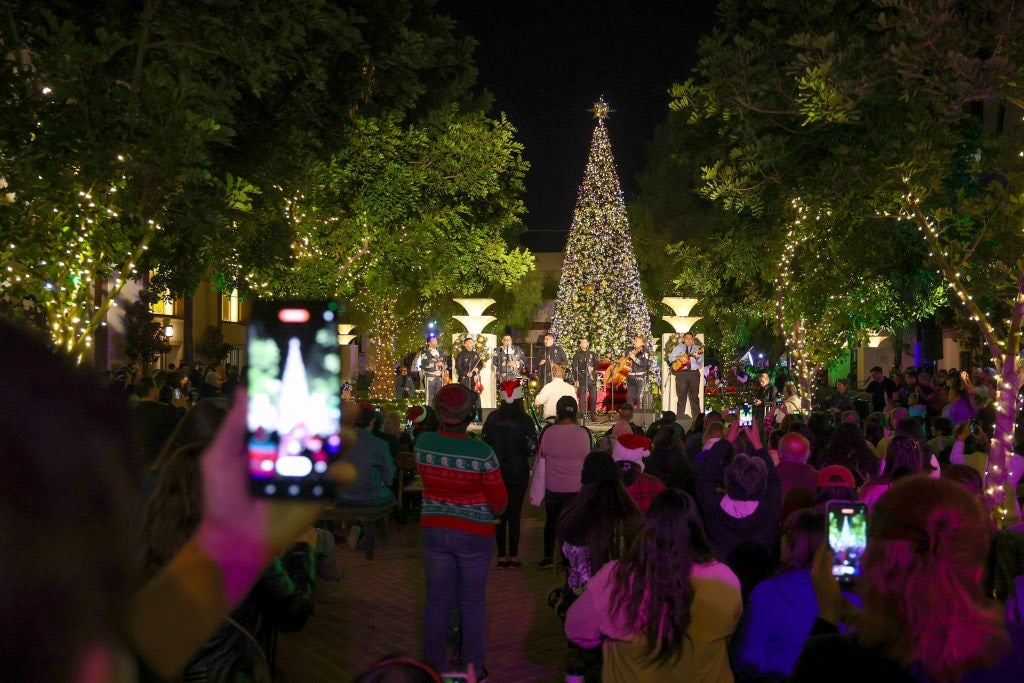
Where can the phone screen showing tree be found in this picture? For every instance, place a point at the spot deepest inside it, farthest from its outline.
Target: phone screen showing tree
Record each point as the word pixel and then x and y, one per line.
pixel 294 398
pixel 848 537
pixel 746 415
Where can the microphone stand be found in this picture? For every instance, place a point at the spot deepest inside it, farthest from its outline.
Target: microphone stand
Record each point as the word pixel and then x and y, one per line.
pixel 585 395
pixel 610 389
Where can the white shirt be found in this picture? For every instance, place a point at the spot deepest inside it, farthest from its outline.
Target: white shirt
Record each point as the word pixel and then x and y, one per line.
pixel 552 391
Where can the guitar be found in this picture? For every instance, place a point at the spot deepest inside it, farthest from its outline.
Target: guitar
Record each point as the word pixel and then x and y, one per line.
pixel 616 374
pixel 683 361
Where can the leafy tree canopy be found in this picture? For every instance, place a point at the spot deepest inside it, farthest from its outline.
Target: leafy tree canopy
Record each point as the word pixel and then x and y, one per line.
pixel 897 118
pixel 853 108
pixel 148 137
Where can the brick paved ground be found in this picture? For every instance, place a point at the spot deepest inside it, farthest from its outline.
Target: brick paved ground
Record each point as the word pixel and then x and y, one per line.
pixel 377 609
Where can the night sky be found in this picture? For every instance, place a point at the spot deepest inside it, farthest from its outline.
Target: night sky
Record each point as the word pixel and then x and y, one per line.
pixel 546 62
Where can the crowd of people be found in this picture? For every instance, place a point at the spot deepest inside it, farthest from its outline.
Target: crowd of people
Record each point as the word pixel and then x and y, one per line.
pixel 721 533
pixel 688 555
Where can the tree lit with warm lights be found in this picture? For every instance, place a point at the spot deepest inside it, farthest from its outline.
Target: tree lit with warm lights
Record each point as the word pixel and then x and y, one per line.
pixel 164 140
pixel 901 119
pixel 599 295
pixel 402 218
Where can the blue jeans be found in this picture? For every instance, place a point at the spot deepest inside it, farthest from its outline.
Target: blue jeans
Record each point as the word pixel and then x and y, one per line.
pixel 456 564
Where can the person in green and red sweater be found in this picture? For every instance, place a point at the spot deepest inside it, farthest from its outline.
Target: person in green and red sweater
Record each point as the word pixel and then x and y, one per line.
pixel 463 493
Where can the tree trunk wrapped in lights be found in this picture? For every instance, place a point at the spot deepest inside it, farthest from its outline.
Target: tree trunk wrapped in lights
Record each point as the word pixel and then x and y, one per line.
pixel 383 337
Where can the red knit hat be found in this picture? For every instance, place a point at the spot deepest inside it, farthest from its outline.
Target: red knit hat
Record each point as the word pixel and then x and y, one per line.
pixel 453 404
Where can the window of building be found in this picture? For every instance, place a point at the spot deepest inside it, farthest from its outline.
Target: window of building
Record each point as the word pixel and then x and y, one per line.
pixel 163 307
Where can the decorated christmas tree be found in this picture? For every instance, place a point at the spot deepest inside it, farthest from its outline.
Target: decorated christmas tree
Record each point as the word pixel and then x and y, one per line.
pixel 599 295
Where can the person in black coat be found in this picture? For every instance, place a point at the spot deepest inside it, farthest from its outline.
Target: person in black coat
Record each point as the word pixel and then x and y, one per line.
pixel 741 523
pixel 512 435
pixel 549 355
pixel 764 397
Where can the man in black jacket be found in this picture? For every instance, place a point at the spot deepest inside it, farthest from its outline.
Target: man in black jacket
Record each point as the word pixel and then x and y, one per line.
pixel 585 365
pixel 764 397
pixel 548 356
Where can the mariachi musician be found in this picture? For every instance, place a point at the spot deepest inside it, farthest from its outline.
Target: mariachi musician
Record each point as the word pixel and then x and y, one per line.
pixel 585 366
pixel 509 360
pixel 687 359
pixel 467 364
pixel 639 366
pixel 432 368
pixel 550 354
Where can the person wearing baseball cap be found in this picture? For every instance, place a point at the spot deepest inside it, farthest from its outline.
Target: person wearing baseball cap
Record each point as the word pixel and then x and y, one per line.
pixel 463 493
pixel 372 460
pixel 512 435
pixel 835 482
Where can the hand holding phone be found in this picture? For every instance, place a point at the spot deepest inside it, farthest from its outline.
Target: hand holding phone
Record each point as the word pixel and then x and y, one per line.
pixel 826 588
pixel 293 419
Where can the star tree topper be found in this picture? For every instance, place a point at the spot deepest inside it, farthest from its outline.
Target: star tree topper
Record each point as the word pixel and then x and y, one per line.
pixel 601 109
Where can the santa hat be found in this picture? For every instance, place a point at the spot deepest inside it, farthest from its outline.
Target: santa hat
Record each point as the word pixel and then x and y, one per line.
pixel 416 414
pixel 511 390
pixel 632 448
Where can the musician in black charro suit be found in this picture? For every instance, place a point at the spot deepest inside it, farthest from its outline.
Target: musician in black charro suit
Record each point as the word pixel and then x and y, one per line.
pixel 467 364
pixel 432 366
pixel 585 366
pixel 636 381
pixel 548 356
pixel 509 360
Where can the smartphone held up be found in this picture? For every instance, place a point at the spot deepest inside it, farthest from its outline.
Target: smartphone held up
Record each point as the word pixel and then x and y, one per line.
pixel 293 418
pixel 848 537
pixel 746 416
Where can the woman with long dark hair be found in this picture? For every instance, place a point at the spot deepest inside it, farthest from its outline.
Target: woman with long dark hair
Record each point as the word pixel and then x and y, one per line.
pixel 849 448
pixel 282 599
pixel 667 450
pixel 598 527
pixel 903 457
pixel 600 524
pixel 665 612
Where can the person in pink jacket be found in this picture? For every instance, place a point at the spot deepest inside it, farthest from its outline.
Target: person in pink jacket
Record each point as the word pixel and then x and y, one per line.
pixel 667 610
